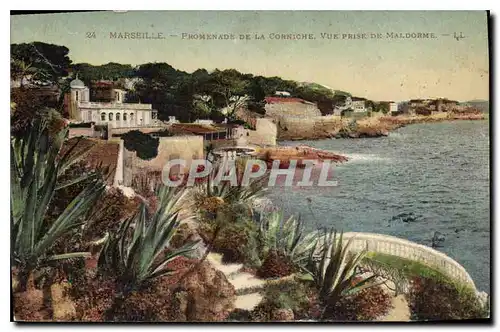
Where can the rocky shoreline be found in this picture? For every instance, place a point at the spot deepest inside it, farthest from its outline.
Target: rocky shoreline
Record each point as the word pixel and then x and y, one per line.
pixel 299 153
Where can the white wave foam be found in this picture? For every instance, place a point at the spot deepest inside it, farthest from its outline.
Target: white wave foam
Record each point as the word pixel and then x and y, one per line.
pixel 362 158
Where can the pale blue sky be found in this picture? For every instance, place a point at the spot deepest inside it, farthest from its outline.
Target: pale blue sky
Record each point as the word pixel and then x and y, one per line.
pixel 380 69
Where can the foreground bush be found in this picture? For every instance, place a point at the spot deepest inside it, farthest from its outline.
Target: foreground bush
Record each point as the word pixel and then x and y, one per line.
pixel 368 304
pixel 334 271
pixel 136 254
pixel 434 299
pixel 236 242
pixel 283 246
pixel 276 265
pixel 287 294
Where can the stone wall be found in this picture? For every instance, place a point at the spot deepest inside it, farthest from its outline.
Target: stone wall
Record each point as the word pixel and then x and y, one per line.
pixel 118 179
pixel 391 245
pixel 175 147
pixel 265 133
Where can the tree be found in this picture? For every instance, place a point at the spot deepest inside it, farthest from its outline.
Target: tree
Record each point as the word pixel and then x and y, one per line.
pixel 111 71
pixel 372 105
pixel 323 97
pixel 169 90
pixel 229 90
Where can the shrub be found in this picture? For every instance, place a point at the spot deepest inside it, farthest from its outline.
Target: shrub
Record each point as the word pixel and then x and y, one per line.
pixel 105 217
pixel 26 106
pixel 289 294
pixel 92 298
pixel 81 125
pixel 439 299
pixel 335 270
pixel 136 254
pixel 237 243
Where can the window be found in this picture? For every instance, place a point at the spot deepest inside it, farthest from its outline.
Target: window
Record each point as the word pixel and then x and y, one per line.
pixel 103 116
pixel 124 116
pixel 76 95
pixel 131 116
pixel 110 116
pixel 117 116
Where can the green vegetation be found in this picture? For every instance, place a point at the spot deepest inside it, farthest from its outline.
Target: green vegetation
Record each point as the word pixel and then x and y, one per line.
pixel 410 268
pixel 39 62
pixel 36 164
pixel 141 257
pixel 188 96
pixel 283 242
pixel 437 299
pixel 335 270
pixel 285 294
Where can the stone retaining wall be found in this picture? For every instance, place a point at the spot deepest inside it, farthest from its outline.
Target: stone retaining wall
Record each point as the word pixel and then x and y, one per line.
pixel 308 128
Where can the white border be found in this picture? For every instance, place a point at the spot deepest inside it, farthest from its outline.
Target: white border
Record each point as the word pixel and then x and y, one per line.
pixel 208 5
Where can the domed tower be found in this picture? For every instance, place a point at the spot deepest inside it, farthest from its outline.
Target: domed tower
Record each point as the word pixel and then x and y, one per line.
pixel 78 93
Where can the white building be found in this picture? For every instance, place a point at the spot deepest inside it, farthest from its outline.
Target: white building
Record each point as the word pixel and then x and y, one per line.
pixel 357 105
pixel 393 107
pixel 117 113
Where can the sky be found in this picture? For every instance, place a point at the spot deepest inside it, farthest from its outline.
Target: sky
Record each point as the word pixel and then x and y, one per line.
pixel 385 68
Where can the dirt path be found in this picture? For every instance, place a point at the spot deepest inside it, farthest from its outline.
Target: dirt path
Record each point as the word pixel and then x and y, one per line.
pixel 400 311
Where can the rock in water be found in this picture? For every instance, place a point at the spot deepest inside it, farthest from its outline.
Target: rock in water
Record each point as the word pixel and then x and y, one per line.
pixel 437 239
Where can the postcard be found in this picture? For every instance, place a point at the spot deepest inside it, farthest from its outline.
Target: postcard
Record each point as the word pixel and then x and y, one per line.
pixel 250 166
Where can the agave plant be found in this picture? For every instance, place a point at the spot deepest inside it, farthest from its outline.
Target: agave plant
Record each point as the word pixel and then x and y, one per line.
pixel 137 252
pixel 285 237
pixel 36 164
pixel 335 272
